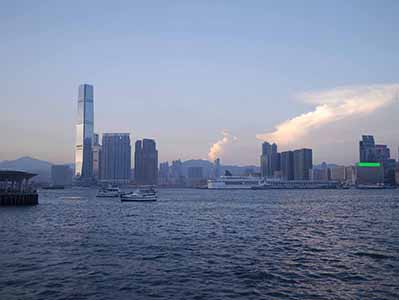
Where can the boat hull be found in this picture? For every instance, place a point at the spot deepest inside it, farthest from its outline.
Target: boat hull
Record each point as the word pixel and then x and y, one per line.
pixel 152 199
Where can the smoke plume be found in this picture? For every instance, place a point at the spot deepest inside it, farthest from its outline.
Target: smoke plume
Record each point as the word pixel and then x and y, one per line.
pixel 332 106
pixel 217 148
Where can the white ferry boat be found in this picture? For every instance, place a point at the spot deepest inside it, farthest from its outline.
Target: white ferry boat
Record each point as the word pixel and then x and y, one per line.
pixel 109 192
pixel 234 183
pixel 142 195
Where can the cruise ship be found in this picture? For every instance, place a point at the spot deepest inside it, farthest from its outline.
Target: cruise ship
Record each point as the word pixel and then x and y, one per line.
pixel 234 183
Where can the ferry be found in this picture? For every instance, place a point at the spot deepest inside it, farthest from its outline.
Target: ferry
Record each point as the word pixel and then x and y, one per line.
pixel 296 184
pixel 140 195
pixel 234 183
pixel 109 192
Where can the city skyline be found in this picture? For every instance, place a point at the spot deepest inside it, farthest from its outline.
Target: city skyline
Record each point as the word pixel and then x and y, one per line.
pixel 223 83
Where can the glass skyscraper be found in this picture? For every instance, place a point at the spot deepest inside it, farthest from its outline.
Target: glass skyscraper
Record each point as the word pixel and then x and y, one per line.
pixel 84 133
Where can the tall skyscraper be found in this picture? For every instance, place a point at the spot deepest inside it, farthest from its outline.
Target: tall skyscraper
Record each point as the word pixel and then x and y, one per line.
pixel 382 153
pixel 303 162
pixel 96 157
pixel 84 132
pixel 146 162
pixel 287 165
pixel 115 157
pixel 367 150
pixel 269 160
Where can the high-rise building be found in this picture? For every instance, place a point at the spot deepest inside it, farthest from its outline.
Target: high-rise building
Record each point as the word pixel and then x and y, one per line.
pixel 176 173
pixel 61 175
pixel 382 153
pixel 269 160
pixel 367 150
pixel 163 178
pixel 146 162
pixel 303 162
pixel 287 165
pixel 84 133
pixel 115 158
pixel 96 156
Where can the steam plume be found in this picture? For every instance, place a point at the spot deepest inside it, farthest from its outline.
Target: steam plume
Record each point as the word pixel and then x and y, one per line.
pixel 331 106
pixel 217 148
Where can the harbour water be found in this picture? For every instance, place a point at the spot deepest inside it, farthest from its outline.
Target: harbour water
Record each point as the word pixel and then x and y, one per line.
pixel 201 244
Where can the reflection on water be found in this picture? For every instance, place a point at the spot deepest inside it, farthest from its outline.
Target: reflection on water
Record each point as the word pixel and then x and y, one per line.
pixel 199 244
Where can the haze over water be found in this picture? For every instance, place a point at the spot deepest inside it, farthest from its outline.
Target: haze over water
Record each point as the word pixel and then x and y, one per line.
pixel 199 244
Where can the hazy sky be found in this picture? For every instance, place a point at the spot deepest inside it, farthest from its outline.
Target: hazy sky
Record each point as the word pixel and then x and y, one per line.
pixel 192 73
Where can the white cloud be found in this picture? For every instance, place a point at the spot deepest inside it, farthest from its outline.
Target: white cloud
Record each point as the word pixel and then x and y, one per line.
pixel 332 106
pixel 218 148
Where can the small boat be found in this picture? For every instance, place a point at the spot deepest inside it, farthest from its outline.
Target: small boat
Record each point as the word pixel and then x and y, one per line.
pixel 142 195
pixel 109 192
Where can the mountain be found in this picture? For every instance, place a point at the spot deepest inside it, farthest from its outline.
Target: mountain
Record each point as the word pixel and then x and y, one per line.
pixel 28 164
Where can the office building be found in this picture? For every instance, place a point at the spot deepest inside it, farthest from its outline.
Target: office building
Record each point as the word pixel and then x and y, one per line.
pixel 338 173
pixel 389 166
pixel 287 165
pixel 146 162
pixel 163 178
pixel 367 150
pixel 84 133
pixel 369 174
pixel 61 175
pixel 350 175
pixel 303 162
pixel 382 153
pixel 176 173
pixel 319 174
pixel 96 156
pixel 115 158
pixel 269 160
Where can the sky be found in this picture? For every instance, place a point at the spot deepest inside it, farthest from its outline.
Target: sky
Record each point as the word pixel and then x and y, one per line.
pixel 205 79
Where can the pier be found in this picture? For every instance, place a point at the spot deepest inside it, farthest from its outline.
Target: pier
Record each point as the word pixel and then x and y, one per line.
pixel 15 189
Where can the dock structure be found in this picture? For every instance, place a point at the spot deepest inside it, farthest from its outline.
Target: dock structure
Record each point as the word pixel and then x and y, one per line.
pixel 16 190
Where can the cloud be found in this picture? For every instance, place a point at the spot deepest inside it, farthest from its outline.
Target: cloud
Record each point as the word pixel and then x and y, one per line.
pixel 218 148
pixel 332 106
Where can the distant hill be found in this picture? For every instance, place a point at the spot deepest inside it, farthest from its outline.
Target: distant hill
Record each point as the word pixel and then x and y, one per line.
pixel 28 164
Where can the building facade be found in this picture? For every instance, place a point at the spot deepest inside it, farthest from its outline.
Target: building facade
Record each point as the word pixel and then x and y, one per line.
pixel 176 173
pixel 115 158
pixel 163 178
pixel 303 162
pixel 96 157
pixel 338 173
pixel 287 165
pixel 373 175
pixel 319 174
pixel 84 132
pixel 367 150
pixel 146 162
pixel 269 160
